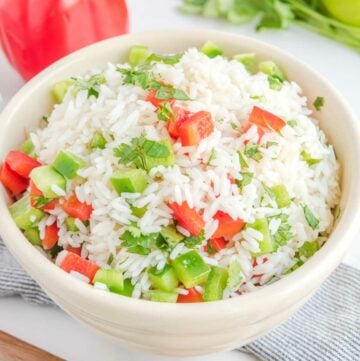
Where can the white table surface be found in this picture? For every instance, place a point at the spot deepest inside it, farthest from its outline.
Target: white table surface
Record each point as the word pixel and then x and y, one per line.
pixel 53 330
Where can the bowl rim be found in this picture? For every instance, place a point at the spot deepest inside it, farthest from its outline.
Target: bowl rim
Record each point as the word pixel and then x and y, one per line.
pixel 322 263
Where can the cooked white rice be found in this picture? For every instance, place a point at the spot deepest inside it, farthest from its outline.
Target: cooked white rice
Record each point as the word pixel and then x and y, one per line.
pixel 225 89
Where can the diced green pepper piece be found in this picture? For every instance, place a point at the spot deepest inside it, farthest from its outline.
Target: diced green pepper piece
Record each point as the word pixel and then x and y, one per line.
pixel 28 148
pixel 163 296
pixel 68 164
pixel 282 197
pixel 248 60
pixel 171 236
pixel 128 288
pixel 112 278
pixel 190 269
pixel 266 245
pixel 152 162
pixel 211 49
pixel 24 215
pixel 235 275
pixel 70 224
pixel 60 89
pixel 215 284
pixel 129 180
pixel 308 249
pixel 98 141
pixel 138 55
pixel 271 69
pixel 164 279
pixel 139 212
pixel 45 177
pixel 33 235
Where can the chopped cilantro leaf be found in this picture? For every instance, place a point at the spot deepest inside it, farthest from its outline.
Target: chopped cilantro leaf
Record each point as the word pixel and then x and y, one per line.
pixel 242 161
pixel 319 103
pixel 165 112
pixel 312 221
pixel 253 152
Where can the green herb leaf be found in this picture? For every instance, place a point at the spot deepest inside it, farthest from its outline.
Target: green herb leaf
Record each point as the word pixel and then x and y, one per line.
pixel 246 178
pixel 212 156
pixel 252 151
pixel 312 221
pixel 269 191
pixel 284 233
pixel 292 123
pixel 194 241
pixel 40 201
pixel 91 84
pixel 126 153
pixel 308 158
pixel 319 103
pixel 143 244
pixel 165 112
pixel 234 126
pixel 242 161
pixel 110 259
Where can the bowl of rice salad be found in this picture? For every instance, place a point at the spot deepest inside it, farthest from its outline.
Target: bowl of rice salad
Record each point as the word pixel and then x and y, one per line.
pixel 152 170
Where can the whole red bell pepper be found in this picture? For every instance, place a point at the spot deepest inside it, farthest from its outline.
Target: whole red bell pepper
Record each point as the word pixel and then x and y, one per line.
pixel 34 34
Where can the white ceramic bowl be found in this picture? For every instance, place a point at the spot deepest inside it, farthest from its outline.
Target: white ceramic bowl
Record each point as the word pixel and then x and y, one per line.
pixel 186 329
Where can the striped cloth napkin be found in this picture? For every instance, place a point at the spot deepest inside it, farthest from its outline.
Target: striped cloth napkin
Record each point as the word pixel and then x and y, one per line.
pixel 327 328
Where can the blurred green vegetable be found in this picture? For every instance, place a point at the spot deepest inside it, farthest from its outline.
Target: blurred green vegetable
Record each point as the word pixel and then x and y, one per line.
pixel 319 16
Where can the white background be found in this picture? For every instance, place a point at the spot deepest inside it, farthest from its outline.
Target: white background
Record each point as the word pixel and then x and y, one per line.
pixel 50 328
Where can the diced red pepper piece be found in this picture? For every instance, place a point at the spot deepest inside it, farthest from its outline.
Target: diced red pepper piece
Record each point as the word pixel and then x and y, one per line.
pixel 12 181
pixel 151 97
pixel 195 128
pixel 265 119
pixel 227 227
pixel 51 236
pixel 173 126
pixel 21 163
pixel 50 206
pixel 218 243
pixel 73 262
pixel 76 250
pixel 192 297
pixel 35 191
pixel 74 208
pixel 188 218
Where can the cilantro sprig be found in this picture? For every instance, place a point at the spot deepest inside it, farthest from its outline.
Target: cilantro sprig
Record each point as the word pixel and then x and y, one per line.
pixel 91 84
pixel 284 232
pixel 146 80
pixel 137 151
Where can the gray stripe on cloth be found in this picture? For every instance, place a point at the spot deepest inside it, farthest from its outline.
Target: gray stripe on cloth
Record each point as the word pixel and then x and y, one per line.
pixel 327 328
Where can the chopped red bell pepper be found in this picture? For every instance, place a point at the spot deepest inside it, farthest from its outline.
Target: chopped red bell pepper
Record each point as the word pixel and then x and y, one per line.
pixel 265 119
pixel 50 206
pixel 76 250
pixel 35 191
pixel 195 128
pixel 21 163
pixel 51 236
pixel 192 297
pixel 173 126
pixel 188 218
pixel 218 243
pixel 73 262
pixel 227 227
pixel 12 181
pixel 74 208
pixel 151 97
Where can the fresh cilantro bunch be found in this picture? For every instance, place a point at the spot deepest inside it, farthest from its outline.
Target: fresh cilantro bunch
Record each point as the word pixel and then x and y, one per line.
pixel 278 14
